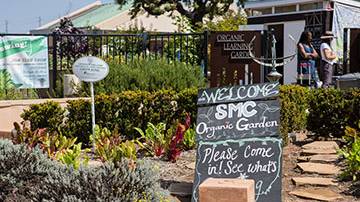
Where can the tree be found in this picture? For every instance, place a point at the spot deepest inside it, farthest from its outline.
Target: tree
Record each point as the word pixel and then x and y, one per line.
pixel 194 10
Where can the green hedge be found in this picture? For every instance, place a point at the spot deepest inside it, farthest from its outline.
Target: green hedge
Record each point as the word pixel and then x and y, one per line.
pixel 130 109
pixel 323 111
pixel 331 110
pixel 294 105
pixel 148 75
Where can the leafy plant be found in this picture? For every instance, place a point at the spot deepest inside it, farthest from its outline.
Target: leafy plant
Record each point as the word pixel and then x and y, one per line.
pixel 351 153
pixel 174 149
pixel 54 144
pixel 73 157
pixel 153 139
pixel 189 139
pixel 109 146
pixel 73 45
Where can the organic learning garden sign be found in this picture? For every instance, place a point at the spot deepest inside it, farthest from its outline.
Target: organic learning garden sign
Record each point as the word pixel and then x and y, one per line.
pixel 238 137
pixel 24 62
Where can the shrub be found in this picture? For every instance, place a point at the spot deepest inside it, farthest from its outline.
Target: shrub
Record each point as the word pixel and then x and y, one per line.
pixel 149 75
pixel 121 182
pixel 351 153
pixel 48 115
pixel 34 177
pixel 20 167
pixel 330 111
pixel 128 110
pixel 294 106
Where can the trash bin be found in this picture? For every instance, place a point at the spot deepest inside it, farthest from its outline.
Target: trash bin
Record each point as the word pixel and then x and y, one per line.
pixel 348 81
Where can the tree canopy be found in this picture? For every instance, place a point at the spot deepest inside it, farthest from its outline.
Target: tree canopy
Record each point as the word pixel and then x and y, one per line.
pixel 194 10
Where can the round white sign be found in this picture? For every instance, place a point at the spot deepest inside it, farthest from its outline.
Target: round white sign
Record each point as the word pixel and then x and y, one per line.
pixel 90 69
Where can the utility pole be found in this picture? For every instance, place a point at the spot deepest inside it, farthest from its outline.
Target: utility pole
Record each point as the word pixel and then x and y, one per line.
pixel 39 21
pixel 6 26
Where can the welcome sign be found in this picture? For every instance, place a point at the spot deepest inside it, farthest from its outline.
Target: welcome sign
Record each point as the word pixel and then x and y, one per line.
pixel 238 137
pixel 24 62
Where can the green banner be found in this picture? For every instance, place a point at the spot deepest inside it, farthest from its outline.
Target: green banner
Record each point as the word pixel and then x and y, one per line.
pixel 24 62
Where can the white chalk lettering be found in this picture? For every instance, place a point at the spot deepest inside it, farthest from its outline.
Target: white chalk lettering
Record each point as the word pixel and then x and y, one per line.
pixel 263 152
pixel 241 126
pixel 242 109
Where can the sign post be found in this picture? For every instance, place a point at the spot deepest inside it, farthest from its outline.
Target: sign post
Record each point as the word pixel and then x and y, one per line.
pixel 91 69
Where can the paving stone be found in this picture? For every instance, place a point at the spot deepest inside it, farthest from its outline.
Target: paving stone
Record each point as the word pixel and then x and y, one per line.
pixel 181 189
pixel 322 194
pixel 321 145
pixel 318 151
pixel 319 168
pixel 319 158
pixel 321 181
pixel 329 158
pixel 303 158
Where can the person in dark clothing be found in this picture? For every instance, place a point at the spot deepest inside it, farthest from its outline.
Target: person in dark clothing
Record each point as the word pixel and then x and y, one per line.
pixel 307 73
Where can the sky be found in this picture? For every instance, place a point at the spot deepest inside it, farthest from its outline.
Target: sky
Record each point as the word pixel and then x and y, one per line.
pixel 20 16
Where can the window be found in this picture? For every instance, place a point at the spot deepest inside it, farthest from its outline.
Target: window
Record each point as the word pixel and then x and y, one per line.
pixel 261 11
pixel 311 6
pixel 285 9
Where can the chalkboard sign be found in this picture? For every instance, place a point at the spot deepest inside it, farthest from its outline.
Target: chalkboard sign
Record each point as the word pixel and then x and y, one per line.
pixel 250 158
pixel 237 93
pixel 238 120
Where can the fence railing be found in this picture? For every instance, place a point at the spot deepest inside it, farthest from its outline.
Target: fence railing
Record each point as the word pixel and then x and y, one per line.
pixel 64 49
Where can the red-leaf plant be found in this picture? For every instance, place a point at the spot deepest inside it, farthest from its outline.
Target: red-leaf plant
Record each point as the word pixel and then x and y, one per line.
pixel 174 147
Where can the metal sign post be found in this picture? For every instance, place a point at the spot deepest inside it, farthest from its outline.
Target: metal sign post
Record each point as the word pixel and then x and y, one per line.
pixel 92 113
pixel 91 69
pixel 273 75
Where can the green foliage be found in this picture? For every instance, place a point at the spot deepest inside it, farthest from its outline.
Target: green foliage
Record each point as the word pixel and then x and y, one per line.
pixel 128 110
pixel 55 145
pixel 195 11
pixel 189 142
pixel 331 110
pixel 73 157
pixel 294 106
pixel 78 120
pixel 109 146
pixel 351 153
pixel 149 75
pixel 29 175
pixel 48 115
pixel 157 141
pixel 154 139
pixel 228 22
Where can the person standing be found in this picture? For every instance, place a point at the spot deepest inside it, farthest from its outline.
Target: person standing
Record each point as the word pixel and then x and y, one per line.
pixel 328 58
pixel 307 54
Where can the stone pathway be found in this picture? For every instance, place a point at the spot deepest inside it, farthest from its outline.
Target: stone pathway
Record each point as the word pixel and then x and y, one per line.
pixel 318 172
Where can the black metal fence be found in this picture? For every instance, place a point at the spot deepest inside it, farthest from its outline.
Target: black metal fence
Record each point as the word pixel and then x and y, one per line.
pixel 190 48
